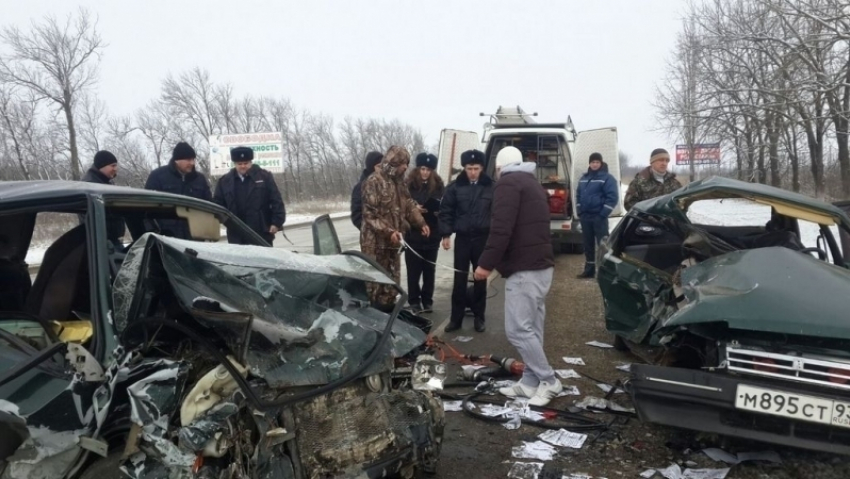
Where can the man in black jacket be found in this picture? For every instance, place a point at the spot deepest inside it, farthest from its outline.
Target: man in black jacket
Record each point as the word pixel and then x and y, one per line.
pixel 373 160
pixel 179 177
pixel 465 211
pixel 250 193
pixel 103 170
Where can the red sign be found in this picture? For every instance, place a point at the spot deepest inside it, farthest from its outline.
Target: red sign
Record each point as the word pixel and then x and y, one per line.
pixel 704 154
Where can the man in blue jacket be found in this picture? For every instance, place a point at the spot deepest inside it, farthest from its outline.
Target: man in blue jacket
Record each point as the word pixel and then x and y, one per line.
pixel 597 196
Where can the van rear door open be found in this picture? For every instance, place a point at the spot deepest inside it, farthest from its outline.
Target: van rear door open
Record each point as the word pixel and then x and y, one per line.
pixel 604 142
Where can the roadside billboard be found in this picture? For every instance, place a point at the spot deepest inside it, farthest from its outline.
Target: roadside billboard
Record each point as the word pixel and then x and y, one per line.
pixel 704 154
pixel 268 151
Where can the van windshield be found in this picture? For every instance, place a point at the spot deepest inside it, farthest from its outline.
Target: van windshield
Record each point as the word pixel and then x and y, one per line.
pixel 546 150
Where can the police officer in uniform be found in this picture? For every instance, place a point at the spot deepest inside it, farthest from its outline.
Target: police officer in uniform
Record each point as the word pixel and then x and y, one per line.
pixel 250 193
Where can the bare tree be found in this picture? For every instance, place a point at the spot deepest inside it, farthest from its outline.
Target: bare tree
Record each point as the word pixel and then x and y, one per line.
pixel 57 61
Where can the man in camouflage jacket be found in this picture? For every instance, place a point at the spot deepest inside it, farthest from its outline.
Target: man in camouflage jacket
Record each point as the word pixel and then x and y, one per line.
pixel 652 181
pixel 388 213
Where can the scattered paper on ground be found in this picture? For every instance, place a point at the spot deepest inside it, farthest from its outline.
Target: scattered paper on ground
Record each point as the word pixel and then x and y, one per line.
pixel 525 470
pixel 722 456
pixel 647 473
pixel 567 373
pixel 569 391
pixel 564 438
pixel 452 406
pixel 607 388
pixel 463 339
pixel 575 361
pixel 599 344
pixel 627 367
pixel 675 472
pixel 535 450
pixel 492 410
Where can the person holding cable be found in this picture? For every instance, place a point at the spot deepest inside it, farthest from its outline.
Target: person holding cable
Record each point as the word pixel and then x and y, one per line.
pixel 426 188
pixel 388 213
pixel 465 212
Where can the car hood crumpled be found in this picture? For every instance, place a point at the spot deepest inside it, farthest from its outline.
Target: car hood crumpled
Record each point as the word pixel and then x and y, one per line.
pixel 295 319
pixel 774 290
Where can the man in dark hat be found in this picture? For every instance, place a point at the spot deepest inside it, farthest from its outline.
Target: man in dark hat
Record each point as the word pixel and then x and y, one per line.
pixel 251 193
pixel 596 197
pixel 373 161
pixel 180 177
pixel 103 170
pixel 652 181
pixel 465 211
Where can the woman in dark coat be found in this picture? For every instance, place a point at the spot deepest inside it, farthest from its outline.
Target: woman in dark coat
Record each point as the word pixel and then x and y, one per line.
pixel 426 188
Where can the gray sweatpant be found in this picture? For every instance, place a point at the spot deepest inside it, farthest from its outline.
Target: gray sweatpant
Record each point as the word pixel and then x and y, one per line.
pixel 525 313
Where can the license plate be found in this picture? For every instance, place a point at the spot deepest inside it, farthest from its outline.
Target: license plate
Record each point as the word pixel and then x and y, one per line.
pixel 795 406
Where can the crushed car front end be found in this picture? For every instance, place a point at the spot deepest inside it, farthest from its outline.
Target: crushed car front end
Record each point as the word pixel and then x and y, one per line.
pixel 238 361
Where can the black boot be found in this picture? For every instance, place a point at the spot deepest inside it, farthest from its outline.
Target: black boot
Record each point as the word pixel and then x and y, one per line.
pixel 452 326
pixel 479 324
pixel 588 273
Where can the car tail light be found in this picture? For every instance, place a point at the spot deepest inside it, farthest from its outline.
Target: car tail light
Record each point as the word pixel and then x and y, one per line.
pixel 839 376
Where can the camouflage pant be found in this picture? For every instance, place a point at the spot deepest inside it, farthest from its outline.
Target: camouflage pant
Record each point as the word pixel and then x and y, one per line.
pixel 385 294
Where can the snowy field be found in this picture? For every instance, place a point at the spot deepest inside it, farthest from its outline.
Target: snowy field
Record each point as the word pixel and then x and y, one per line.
pixel 741 212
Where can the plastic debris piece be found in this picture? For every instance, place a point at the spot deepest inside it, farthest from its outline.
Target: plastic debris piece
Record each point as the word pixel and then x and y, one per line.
pixel 569 391
pixel 463 339
pixel 722 456
pixel 534 450
pixel 606 388
pixel 525 470
pixel 452 406
pixel 598 344
pixel 567 373
pixel 626 367
pixel 513 424
pixel 574 361
pixel 647 473
pixel 599 403
pixel 564 438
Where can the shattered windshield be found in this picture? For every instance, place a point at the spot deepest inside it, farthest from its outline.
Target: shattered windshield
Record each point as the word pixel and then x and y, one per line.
pixel 292 319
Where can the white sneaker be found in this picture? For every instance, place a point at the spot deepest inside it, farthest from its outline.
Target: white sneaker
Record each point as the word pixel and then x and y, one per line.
pixel 545 392
pixel 518 390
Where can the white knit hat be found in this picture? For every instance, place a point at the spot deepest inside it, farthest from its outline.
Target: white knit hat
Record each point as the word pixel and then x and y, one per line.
pixel 508 155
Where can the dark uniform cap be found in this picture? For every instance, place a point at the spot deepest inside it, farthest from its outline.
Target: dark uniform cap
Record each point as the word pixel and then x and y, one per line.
pixel 241 153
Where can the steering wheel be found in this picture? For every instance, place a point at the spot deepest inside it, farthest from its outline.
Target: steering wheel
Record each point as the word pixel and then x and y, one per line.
pixel 822 255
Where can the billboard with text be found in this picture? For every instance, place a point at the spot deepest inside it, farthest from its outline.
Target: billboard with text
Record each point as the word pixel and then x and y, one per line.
pixel 704 154
pixel 268 151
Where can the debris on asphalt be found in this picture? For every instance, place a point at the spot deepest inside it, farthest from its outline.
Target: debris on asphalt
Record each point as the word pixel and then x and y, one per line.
pixel 569 391
pixel 575 361
pixel 534 450
pixel 601 404
pixel 598 344
pixel 625 367
pixel 514 423
pixel 674 471
pixel 463 339
pixel 525 470
pixel 564 438
pixel 720 455
pixel 452 406
pixel 567 374
pixel 606 388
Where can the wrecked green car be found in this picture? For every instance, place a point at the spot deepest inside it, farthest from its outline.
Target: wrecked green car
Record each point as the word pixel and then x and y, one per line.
pixel 737 296
pixel 189 357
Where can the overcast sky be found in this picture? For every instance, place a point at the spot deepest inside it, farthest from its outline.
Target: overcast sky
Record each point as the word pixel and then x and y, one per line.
pixel 433 64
